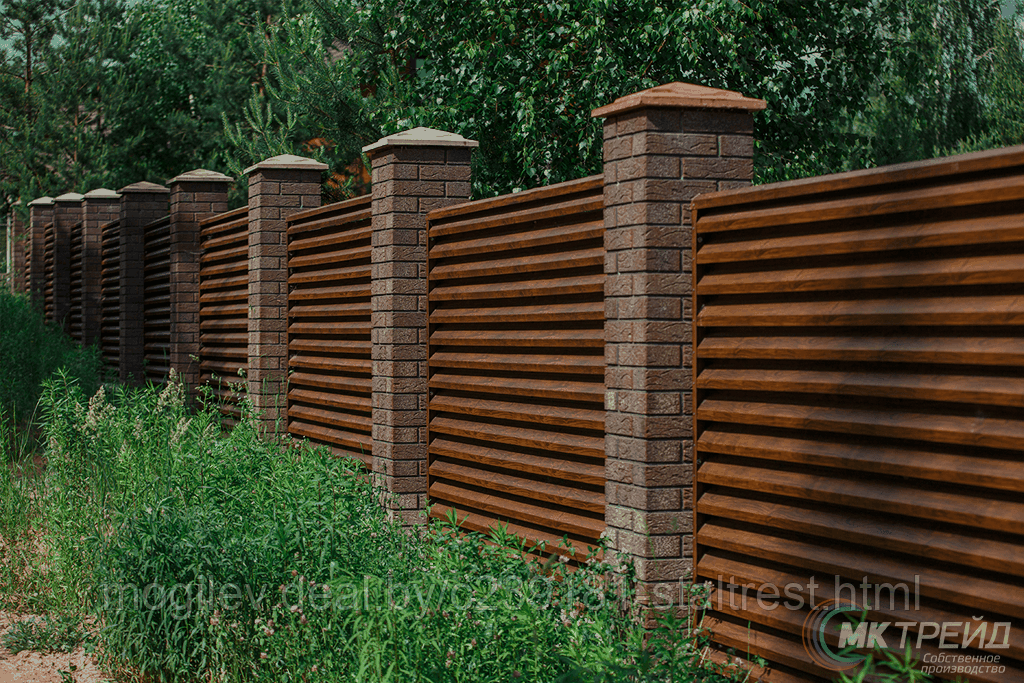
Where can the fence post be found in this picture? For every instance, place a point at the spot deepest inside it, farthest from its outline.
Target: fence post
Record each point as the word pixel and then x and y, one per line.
pixel 40 215
pixel 194 196
pixel 141 204
pixel 67 213
pixel 99 208
pixel 278 187
pixel 414 172
pixel 662 147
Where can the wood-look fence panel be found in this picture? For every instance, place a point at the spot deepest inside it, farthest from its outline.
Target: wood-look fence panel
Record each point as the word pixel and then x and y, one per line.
pixel 75 299
pixel 49 271
pixel 224 307
pixel 859 386
pixel 516 364
pixel 157 300
pixel 110 301
pixel 330 369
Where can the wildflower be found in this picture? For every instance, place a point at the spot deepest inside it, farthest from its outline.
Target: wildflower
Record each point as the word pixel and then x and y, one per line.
pixel 263 655
pixel 302 620
pixel 294 608
pixel 314 669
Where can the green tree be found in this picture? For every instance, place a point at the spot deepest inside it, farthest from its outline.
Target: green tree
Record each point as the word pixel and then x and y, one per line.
pixel 62 85
pixel 938 70
pixel 523 78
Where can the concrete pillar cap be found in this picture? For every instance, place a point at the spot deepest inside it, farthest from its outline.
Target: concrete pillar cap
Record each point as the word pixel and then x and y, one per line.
pixel 288 161
pixel 42 201
pixel 421 137
pixel 680 96
pixel 201 175
pixel 144 186
pixel 70 197
pixel 102 193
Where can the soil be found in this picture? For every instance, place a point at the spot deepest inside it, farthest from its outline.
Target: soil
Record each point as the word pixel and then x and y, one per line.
pixel 39 667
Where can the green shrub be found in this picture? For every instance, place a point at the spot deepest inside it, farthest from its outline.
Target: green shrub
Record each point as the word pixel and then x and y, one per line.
pixel 228 557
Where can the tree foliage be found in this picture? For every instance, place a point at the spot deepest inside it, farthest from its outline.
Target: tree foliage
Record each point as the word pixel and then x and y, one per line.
pixel 848 84
pixel 97 92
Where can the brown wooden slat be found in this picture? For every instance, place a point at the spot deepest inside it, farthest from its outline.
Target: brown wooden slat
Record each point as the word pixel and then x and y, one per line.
pixel 917 199
pixel 901 237
pixel 954 429
pixel 1009 160
pixel 326 302
pixel 969 591
pixel 559 416
pixel 911 462
pixel 944 546
pixel 998 391
pixel 502 508
pixel 936 311
pixel 582 472
pixel 873 435
pixel 964 350
pixel 516 313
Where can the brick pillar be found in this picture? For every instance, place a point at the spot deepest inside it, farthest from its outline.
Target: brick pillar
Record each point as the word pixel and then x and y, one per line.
pixel 99 208
pixel 413 172
pixel 141 204
pixel 20 241
pixel 40 213
pixel 278 188
pixel 195 195
pixel 662 147
pixel 67 213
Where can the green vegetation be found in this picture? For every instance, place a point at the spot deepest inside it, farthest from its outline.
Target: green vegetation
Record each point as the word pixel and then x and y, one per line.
pixel 208 556
pixel 107 92
pixel 43 635
pixel 30 352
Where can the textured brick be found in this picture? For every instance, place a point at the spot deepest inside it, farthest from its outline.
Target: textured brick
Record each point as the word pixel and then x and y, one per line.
pixel 408 182
pixel 194 196
pixel 657 160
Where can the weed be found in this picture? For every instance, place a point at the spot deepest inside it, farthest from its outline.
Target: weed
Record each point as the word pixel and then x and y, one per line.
pixel 46 634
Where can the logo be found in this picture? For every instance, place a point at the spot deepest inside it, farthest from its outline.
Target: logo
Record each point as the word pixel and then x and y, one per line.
pixel 831 616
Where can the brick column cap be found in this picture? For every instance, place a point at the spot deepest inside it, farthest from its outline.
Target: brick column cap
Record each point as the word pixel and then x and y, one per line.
pixel 201 175
pixel 70 197
pixel 42 201
pixel 420 137
pixel 679 95
pixel 102 193
pixel 288 161
pixel 144 186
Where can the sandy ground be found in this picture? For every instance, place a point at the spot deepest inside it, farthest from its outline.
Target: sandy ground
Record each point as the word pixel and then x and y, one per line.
pixel 37 667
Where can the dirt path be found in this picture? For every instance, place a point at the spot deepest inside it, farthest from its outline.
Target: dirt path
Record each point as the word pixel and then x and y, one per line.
pixel 36 667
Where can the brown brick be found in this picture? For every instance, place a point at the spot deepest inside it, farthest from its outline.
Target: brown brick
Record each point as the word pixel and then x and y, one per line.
pixel 433 178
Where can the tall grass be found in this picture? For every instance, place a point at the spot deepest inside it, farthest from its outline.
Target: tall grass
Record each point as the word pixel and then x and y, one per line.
pixel 30 352
pixel 232 558
pixel 208 556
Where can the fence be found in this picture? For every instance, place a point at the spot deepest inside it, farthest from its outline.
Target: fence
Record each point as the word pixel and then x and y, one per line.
pixel 516 363
pixel 831 369
pixel 223 307
pixel 110 298
pixel 858 401
pixel 330 385
pixel 157 300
